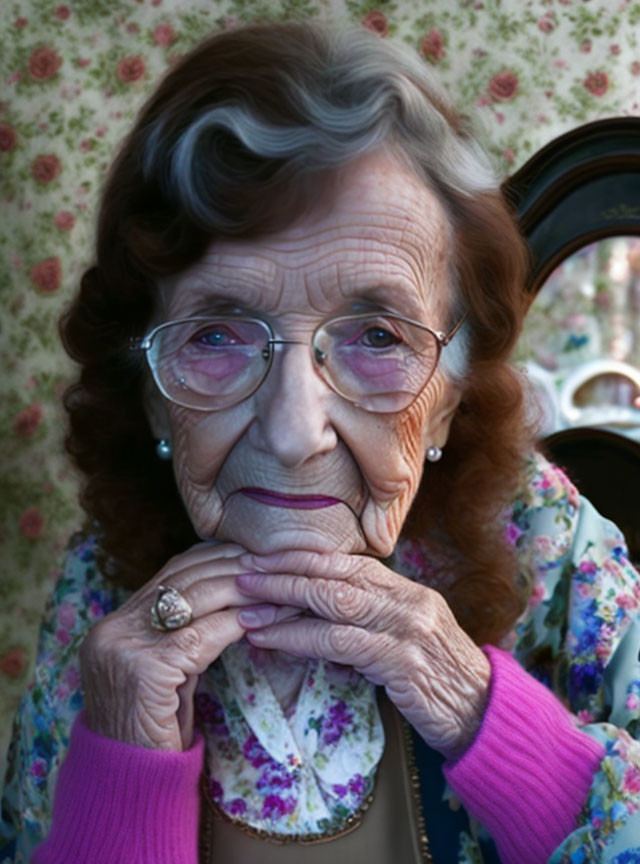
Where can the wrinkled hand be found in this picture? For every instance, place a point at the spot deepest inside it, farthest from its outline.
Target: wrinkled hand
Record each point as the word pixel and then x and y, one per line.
pixel 139 682
pixel 394 632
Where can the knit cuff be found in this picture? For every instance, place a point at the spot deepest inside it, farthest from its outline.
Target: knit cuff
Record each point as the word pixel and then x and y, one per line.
pixel 528 772
pixel 120 802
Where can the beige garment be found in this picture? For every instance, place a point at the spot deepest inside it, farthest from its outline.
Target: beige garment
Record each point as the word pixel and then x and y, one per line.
pixel 391 830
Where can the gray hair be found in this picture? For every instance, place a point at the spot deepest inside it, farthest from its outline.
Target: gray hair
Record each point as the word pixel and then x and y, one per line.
pixel 354 95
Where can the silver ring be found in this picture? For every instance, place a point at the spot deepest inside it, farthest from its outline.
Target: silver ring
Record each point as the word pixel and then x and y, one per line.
pixel 170 610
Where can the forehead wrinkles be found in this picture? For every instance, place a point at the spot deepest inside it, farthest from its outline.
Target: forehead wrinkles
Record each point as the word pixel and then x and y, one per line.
pixel 331 262
pixel 384 228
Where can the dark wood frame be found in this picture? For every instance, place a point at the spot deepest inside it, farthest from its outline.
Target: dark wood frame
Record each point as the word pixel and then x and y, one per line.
pixel 577 189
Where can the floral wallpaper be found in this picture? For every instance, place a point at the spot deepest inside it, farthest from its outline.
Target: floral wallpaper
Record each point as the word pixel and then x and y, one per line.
pixel 72 76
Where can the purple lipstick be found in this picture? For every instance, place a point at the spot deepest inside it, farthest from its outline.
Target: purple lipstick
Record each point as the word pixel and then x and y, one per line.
pixel 294 502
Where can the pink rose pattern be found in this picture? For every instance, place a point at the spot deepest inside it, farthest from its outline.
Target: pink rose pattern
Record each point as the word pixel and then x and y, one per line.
pixel 68 95
pixel 44 63
pixel 46 168
pixel 377 22
pixel 131 69
pixel 432 46
pixel 13 662
pixel 46 275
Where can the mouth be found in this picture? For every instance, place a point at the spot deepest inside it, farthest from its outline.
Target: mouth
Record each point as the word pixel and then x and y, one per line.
pixel 294 502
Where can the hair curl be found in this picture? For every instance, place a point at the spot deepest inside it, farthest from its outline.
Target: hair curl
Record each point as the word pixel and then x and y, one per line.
pixel 238 139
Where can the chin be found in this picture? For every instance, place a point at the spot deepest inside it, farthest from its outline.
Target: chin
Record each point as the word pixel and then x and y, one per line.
pixel 263 529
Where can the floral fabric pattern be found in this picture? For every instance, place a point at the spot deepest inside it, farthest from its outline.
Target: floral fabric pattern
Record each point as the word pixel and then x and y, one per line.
pixel 305 771
pixel 54 698
pixel 579 635
pixel 73 75
pixel 304 774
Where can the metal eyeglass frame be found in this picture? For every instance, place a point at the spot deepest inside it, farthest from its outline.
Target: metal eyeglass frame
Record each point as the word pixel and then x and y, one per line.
pixel 144 344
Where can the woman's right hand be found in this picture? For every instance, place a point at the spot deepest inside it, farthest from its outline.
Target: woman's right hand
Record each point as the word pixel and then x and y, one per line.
pixel 139 682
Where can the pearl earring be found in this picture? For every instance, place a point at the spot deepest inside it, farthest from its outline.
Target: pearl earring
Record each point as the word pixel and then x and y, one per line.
pixel 433 453
pixel 164 449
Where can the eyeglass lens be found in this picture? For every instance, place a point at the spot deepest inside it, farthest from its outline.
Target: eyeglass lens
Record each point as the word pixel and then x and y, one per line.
pixel 378 362
pixel 210 363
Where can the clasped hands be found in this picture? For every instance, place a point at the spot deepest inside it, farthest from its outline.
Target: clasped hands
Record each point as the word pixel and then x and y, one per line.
pixel 396 633
pixel 350 609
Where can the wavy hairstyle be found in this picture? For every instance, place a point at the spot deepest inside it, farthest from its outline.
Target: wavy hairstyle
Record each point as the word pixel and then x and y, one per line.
pixel 239 139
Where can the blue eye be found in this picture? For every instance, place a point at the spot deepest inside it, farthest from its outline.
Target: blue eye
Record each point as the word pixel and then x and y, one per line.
pixel 218 337
pixel 378 337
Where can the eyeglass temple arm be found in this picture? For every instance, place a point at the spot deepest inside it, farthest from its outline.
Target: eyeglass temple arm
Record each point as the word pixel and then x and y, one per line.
pixel 446 338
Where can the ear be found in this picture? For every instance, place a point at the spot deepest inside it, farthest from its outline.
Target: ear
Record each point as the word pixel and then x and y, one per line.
pixel 438 430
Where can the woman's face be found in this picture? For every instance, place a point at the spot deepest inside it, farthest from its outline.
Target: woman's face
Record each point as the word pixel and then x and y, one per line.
pixel 382 244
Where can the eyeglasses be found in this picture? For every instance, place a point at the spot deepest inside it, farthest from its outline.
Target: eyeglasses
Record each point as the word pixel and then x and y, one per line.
pixel 379 362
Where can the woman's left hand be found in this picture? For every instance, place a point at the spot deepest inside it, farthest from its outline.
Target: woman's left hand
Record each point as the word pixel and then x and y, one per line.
pixel 394 632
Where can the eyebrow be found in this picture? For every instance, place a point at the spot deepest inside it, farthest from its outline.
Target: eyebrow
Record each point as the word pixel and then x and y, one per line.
pixel 390 297
pixel 203 299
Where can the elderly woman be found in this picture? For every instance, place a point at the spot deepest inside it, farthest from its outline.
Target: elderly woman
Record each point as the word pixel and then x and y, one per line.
pixel 312 497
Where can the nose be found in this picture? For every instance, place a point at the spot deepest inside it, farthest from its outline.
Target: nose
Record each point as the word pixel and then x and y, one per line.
pixel 291 420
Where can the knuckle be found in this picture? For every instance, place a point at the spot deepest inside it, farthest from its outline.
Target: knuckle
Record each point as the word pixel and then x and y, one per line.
pixel 322 597
pixel 296 590
pixel 437 607
pixel 187 641
pixel 345 640
pixel 218 631
pixel 98 640
pixel 350 602
pixel 337 564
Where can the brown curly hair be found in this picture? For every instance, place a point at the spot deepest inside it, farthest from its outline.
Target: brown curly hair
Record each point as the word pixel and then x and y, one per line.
pixel 238 139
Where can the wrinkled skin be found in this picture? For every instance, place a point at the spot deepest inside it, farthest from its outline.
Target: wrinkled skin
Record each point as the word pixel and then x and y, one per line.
pixel 313 585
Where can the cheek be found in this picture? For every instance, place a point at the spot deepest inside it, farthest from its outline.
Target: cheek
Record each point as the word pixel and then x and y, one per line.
pixel 409 438
pixel 414 429
pixel 201 443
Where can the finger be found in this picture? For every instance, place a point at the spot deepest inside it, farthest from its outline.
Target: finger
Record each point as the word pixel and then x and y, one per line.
pixel 203 598
pixel 203 580
pixel 312 637
pixel 335 601
pixel 201 560
pixel 334 565
pixel 212 594
pixel 193 648
pixel 264 614
pixel 360 570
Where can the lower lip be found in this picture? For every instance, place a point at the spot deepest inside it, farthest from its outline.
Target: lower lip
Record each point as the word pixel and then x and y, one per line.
pixel 295 502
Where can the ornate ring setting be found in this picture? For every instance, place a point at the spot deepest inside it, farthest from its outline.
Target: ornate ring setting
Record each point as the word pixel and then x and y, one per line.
pixel 170 611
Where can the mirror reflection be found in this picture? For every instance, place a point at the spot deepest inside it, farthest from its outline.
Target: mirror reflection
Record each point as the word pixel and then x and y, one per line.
pixel 581 342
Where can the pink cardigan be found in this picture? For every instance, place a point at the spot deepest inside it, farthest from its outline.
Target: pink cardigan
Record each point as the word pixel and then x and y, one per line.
pixel 525 777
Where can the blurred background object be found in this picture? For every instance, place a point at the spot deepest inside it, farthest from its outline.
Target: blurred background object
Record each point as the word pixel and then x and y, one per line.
pixel 605 466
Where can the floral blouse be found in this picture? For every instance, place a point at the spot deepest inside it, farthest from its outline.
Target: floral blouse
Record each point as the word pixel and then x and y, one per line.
pixel 580 635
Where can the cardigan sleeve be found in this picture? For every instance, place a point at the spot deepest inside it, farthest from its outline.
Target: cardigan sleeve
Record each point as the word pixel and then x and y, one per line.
pixel 580 636
pixel 150 795
pixel 51 703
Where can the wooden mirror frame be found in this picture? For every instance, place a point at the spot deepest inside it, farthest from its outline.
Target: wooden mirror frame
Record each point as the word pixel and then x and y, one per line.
pixel 579 188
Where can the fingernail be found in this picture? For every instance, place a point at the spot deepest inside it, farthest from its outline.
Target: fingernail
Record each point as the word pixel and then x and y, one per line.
pixel 257 616
pixel 248 560
pixel 248 581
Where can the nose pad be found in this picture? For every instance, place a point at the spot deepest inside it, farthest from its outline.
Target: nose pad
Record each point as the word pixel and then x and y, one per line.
pixel 292 421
